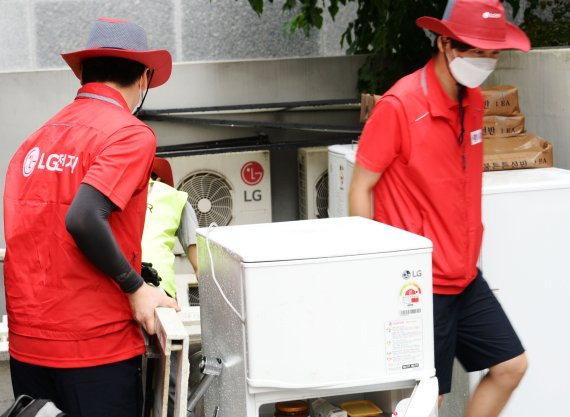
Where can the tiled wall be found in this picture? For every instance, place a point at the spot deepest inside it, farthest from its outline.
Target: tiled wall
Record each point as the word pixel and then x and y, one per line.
pixel 34 32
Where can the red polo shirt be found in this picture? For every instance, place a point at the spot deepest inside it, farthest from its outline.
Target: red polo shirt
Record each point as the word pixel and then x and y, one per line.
pixel 62 311
pixel 430 184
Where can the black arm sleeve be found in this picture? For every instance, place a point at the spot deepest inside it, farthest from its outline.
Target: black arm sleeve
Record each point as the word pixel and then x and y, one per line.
pixel 87 221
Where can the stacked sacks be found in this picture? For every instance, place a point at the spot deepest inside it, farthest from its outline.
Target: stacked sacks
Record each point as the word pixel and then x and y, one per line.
pixel 506 144
pixel 502 114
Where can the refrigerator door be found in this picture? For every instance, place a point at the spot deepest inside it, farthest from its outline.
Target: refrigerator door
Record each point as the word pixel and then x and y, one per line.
pixel 525 258
pixel 340 322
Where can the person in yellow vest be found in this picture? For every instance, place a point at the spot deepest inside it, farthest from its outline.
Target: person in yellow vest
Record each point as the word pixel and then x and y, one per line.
pixel 169 215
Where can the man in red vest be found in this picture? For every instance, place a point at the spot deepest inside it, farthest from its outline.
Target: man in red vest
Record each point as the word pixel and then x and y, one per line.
pixel 74 209
pixel 421 157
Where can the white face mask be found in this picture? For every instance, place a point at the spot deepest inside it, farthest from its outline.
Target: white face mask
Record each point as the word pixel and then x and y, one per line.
pixel 471 72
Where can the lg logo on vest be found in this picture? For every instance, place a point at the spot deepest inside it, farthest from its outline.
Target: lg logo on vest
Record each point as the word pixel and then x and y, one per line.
pixel 55 162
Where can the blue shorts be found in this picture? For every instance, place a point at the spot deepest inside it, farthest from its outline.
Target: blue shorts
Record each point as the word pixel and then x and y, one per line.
pixel 473 327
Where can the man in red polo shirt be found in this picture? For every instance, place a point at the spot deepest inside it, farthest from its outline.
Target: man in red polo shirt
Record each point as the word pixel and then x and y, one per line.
pixel 74 209
pixel 421 157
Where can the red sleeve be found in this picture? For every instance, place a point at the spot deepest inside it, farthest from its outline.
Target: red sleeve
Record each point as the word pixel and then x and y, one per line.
pixel 384 136
pixel 123 166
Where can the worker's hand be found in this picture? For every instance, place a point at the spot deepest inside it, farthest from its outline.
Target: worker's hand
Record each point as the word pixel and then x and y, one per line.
pixel 145 300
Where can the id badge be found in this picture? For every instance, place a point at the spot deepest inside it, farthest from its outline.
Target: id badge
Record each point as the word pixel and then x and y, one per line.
pixel 476 137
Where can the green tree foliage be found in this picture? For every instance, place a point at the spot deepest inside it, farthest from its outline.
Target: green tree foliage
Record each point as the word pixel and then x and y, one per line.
pixel 547 23
pixel 386 30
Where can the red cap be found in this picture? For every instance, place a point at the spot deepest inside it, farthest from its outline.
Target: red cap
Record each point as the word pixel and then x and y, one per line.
pixel 479 23
pixel 161 168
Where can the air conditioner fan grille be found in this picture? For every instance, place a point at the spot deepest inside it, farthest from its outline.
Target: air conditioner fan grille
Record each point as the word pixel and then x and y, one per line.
pixel 210 196
pixel 322 188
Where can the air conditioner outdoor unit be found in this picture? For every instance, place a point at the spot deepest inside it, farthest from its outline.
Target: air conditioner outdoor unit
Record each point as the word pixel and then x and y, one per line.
pixel 339 178
pixel 226 188
pixel 313 177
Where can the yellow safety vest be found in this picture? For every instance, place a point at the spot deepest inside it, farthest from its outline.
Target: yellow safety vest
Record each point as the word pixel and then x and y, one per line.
pixel 164 210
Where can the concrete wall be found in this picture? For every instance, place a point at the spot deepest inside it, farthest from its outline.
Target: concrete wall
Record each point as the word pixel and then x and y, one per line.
pixel 543 79
pixel 34 32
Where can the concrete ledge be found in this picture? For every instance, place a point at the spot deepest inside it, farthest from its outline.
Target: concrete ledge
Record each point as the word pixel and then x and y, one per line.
pixel 4 339
pixel 6 393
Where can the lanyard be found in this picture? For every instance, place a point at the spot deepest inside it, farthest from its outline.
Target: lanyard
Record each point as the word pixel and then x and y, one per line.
pixel 99 97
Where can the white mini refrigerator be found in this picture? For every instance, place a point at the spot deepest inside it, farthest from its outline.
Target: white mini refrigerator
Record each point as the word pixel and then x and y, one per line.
pixel 337 308
pixel 525 257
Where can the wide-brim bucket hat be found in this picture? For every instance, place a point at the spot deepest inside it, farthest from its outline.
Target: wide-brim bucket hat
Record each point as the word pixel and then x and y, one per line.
pixel 162 169
pixel 122 39
pixel 479 23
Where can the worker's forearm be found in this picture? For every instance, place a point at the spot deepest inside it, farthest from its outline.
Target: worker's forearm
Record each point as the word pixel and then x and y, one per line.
pixel 360 203
pixel 192 257
pixel 360 192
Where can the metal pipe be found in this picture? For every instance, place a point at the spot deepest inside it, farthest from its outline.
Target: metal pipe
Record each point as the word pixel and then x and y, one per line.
pixel 211 368
pixel 208 121
pixel 200 391
pixel 259 106
pixel 250 144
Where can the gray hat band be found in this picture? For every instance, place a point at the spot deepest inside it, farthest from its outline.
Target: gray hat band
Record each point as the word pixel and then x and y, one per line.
pixel 120 35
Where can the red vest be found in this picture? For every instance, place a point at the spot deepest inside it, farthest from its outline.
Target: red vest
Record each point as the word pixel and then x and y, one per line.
pixel 432 185
pixel 53 292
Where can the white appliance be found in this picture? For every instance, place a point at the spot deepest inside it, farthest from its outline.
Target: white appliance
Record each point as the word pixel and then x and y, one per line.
pixel 336 308
pixel 313 178
pixel 226 188
pixel 339 179
pixel 525 257
pixel 350 161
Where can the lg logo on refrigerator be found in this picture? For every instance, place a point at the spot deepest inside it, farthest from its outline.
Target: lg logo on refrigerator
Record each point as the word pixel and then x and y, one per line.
pixel 411 274
pixel 252 174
